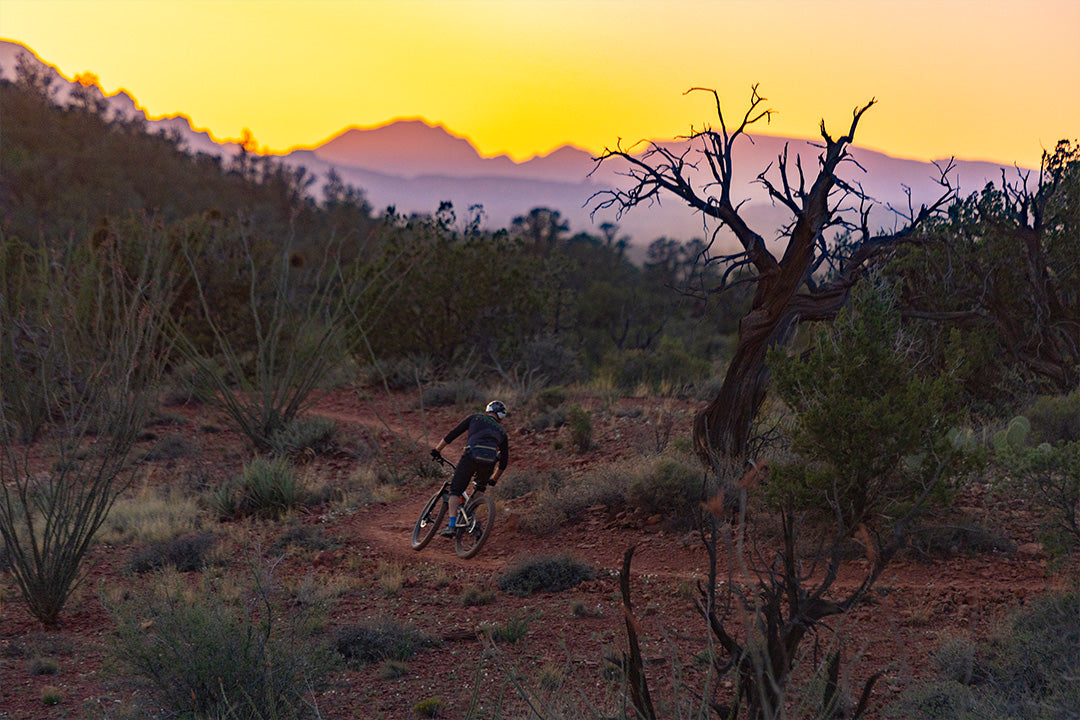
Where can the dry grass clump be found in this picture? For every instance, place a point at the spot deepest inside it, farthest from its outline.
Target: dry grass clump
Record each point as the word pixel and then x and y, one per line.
pixel 151 514
pixel 671 484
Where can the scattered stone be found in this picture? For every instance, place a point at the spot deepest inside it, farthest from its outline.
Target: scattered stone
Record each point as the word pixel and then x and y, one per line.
pixel 1030 550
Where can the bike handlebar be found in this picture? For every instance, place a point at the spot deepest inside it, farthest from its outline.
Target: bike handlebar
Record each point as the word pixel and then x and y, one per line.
pixel 437 456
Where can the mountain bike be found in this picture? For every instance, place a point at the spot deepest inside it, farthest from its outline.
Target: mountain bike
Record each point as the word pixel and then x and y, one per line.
pixel 476 516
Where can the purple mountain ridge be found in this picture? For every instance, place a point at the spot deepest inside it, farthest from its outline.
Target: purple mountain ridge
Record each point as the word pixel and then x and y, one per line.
pixel 415 165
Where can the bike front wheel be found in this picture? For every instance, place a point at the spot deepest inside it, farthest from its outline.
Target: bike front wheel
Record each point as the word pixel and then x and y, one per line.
pixel 429 521
pixel 480 512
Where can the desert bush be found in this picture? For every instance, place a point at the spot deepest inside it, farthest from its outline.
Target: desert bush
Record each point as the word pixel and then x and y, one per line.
pixel 449 393
pixel 566 502
pixel 289 327
pixel 550 397
pixel 958 536
pixel 150 514
pixel 406 373
pixel 669 365
pixel 171 447
pixel 544 574
pixel 1026 671
pixel 307 537
pixel 670 485
pixel 80 351
pixel 513 629
pixel 938 700
pixel 580 423
pixel 185 553
pixel 1055 418
pixel 370 484
pixel 312 433
pixel 392 669
pixel 1051 475
pixel 213 652
pixel 268 487
pixel 554 417
pixel 521 483
pixel 51 695
pixel 390 577
pixel 474 595
pixel 955 658
pixel 428 707
pixel 372 642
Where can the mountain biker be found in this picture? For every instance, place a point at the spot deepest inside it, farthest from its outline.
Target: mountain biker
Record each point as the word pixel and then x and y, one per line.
pixel 485 446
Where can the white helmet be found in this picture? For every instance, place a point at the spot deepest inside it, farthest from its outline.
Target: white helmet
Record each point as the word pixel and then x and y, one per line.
pixel 496 408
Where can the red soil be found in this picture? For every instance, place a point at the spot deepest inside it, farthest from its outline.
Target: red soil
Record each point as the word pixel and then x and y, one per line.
pixel 916 603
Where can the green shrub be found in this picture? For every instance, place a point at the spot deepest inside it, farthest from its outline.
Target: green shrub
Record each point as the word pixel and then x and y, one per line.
pixel 474 595
pixel 306 537
pixel 550 397
pixel 561 503
pixel 268 486
pixel 1013 436
pixel 372 642
pixel 669 485
pixel 669 365
pixel 512 630
pixel 392 669
pixel 214 648
pixel 959 536
pixel 580 422
pixel 51 695
pixel 312 433
pixel 428 708
pixel 1026 672
pixel 550 418
pixel 44 666
pixel 185 553
pixel 545 574
pixel 445 394
pixel 1055 418
pixel 956 658
pixel 528 480
pixel 171 447
pixel 937 700
pixel 1051 475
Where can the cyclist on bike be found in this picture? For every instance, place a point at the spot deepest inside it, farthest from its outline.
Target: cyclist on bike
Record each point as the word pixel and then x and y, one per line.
pixel 485 447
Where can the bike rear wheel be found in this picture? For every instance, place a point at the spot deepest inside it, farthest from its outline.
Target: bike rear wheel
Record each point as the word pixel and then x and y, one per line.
pixel 429 521
pixel 481 514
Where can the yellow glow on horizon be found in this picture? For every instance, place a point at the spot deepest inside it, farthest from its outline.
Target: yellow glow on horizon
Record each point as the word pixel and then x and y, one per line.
pixel 979 79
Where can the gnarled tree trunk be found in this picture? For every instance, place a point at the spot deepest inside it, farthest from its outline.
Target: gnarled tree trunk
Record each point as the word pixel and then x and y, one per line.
pixel 788 289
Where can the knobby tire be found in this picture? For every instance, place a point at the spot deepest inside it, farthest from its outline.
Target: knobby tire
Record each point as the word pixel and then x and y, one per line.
pixel 481 513
pixel 429 521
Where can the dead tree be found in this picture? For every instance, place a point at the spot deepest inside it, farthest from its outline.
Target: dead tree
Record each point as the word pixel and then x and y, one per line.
pixel 812 278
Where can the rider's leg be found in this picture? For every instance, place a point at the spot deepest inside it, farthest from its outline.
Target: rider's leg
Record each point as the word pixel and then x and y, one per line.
pixel 455 503
pixel 462 475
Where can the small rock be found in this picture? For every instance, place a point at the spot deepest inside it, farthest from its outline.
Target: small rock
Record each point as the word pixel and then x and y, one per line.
pixel 1030 550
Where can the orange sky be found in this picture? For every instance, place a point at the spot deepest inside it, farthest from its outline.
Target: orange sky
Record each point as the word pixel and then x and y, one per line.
pixel 976 79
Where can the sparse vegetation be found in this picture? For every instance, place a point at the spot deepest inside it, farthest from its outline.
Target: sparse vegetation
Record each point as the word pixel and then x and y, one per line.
pixel 186 553
pixel 121 255
pixel 373 642
pixel 544 574
pixel 268 487
pixel 212 647
pixel 1023 672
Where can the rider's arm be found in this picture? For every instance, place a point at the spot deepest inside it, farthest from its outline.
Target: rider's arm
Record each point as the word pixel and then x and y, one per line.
pixel 453 434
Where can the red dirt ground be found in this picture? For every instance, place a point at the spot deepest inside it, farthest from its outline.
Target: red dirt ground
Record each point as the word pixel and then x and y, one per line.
pixel 916 603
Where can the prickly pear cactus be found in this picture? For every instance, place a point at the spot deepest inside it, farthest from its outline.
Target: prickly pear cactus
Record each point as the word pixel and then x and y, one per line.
pixel 1014 436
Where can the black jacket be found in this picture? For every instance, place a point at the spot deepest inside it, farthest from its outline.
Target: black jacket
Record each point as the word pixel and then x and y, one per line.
pixel 483 430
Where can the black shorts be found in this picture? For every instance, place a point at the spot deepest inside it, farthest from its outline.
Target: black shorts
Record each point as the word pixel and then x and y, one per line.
pixel 466 468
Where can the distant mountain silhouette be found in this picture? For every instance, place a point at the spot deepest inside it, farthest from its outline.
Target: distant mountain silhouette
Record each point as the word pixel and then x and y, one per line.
pixel 414 166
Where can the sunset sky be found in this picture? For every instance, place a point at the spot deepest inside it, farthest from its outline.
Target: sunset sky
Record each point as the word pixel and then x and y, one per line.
pixel 976 79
